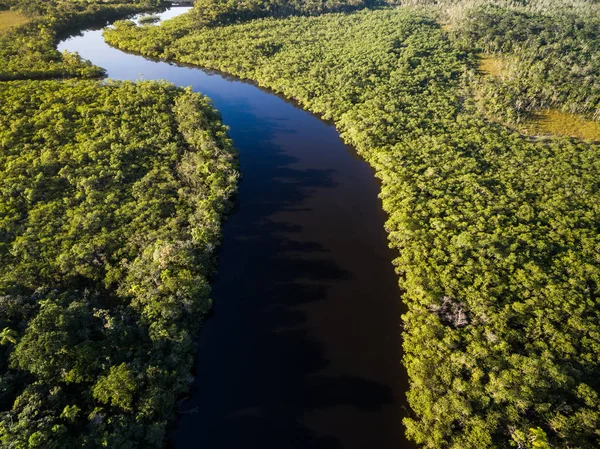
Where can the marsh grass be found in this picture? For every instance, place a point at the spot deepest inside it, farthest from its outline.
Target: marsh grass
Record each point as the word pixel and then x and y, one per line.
pixel 558 123
pixel 491 66
pixel 10 19
pixel 544 122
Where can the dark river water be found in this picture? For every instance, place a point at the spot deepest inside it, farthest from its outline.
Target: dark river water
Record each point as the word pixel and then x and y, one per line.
pixel 304 347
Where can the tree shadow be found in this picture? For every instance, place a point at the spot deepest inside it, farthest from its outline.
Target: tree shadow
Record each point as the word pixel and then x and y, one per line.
pixel 303 349
pixel 261 367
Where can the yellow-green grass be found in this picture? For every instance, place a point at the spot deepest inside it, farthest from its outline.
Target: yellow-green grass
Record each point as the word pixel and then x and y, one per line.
pixel 446 26
pixel 558 123
pixel 549 122
pixel 9 19
pixel 491 65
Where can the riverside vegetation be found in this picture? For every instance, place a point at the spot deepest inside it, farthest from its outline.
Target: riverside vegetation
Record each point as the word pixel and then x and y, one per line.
pixel 29 51
pixel 111 200
pixel 497 234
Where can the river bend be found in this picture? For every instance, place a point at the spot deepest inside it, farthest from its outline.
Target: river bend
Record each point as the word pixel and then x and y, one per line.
pixel 304 347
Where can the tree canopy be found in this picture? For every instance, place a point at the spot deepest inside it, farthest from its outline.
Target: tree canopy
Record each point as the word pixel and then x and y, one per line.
pixel 497 234
pixel 111 201
pixel 29 51
pixel 110 208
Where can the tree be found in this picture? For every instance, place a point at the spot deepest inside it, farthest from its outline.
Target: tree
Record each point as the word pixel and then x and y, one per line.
pixel 8 336
pixel 117 388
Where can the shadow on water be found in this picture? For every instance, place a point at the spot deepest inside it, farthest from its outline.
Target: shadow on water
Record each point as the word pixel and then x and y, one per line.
pixel 269 364
pixel 303 348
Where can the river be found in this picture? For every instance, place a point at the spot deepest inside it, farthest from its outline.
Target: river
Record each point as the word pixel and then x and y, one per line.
pixel 303 349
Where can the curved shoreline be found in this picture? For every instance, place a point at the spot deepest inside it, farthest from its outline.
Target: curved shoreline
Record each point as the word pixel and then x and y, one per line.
pixel 303 349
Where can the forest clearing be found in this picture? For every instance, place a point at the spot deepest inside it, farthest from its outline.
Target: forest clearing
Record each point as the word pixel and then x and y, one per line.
pixel 10 19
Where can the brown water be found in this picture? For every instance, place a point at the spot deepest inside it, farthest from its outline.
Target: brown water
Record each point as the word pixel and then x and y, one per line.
pixel 304 347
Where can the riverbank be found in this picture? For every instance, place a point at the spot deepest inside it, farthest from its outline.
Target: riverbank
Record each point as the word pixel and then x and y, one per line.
pixel 494 238
pixel 303 348
pixel 111 201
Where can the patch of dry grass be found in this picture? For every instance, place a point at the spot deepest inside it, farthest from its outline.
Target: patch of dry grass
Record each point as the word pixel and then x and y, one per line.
pixel 447 27
pixel 491 65
pixel 9 19
pixel 558 123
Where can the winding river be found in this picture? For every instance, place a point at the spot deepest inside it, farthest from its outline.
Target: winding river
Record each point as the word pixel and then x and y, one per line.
pixel 304 347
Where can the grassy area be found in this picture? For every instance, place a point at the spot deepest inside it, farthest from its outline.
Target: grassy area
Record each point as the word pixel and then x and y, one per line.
pixel 447 27
pixel 545 122
pixel 558 123
pixel 9 19
pixel 491 65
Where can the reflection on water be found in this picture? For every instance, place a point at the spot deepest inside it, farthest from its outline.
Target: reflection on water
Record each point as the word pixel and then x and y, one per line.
pixel 303 350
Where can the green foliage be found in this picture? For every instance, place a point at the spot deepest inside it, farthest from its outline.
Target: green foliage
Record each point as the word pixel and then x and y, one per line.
pixel 70 413
pixel 117 388
pixel 551 58
pixel 497 235
pixel 7 336
pixel 219 12
pixel 111 199
pixel 29 51
pixel 147 19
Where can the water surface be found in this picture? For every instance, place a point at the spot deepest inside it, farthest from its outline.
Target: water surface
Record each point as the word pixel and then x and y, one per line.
pixel 304 347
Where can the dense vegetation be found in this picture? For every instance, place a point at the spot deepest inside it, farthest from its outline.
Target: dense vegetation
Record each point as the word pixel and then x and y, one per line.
pixel 29 51
pixel 497 235
pixel 110 207
pixel 111 199
pixel 551 57
pixel 220 12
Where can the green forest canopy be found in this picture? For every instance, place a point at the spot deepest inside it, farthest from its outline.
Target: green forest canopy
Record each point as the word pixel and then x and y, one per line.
pixel 111 200
pixel 29 51
pixel 112 197
pixel 497 234
pixel 551 57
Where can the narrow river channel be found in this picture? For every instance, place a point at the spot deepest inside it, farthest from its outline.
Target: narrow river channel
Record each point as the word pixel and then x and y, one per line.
pixel 304 347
